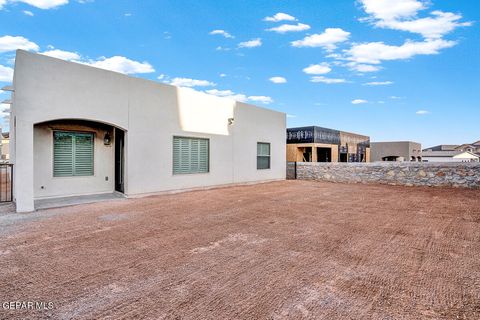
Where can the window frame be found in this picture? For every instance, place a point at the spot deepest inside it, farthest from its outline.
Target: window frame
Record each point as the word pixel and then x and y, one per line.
pixel 265 156
pixel 73 132
pixel 173 155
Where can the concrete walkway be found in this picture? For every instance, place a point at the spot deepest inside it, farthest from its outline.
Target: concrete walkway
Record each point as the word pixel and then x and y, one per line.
pixel 75 200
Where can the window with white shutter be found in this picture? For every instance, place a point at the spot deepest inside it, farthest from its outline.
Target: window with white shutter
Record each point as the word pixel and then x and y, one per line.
pixel 190 155
pixel 72 154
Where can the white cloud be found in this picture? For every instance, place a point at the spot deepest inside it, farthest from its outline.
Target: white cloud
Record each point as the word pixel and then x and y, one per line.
pixel 222 33
pixel 128 14
pixel 187 82
pixel 328 39
pixel 220 93
pixel 323 79
pixel 4 108
pixel 422 112
pixel 359 101
pixel 378 83
pixel 6 74
pixel 322 68
pixel 64 55
pixel 392 9
pixel 403 15
pixel 280 17
pixel 278 80
pixel 28 13
pixel 395 97
pixel 11 43
pixel 284 28
pixel 239 96
pixel 262 99
pixel 122 65
pixel 375 52
pixel 41 4
pixel 434 27
pixel 291 115
pixel 222 75
pixel 251 43
pixel 116 63
pixel 362 67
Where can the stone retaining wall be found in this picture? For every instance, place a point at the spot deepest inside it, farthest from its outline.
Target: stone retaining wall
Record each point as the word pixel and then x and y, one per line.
pixel 466 175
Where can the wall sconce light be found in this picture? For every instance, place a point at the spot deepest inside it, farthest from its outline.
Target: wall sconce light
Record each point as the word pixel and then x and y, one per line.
pixel 107 140
pixel 231 121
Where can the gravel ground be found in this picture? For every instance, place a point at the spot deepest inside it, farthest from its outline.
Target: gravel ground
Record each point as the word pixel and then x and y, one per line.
pixel 282 250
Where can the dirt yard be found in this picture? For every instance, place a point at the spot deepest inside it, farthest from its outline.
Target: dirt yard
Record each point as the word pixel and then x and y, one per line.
pixel 283 250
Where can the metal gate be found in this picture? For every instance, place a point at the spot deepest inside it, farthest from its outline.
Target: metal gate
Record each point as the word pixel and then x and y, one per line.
pixel 291 170
pixel 6 182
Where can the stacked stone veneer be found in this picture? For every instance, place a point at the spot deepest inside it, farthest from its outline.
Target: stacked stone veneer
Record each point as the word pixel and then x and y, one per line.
pixel 465 175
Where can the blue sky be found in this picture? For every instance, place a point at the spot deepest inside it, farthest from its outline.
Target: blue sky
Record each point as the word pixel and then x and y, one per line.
pixel 391 69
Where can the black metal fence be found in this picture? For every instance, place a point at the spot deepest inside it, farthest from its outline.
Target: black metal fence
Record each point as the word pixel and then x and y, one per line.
pixel 6 182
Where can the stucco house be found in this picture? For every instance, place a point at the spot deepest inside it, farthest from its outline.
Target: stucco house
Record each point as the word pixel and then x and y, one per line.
pixel 79 130
pixel 396 151
pixel 4 147
pixel 449 156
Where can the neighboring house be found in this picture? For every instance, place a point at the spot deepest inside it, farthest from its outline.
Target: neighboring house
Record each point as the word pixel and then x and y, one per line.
pixel 79 130
pixel 396 151
pixel 5 151
pixel 470 147
pixel 317 144
pixel 442 147
pixel 468 152
pixel 449 156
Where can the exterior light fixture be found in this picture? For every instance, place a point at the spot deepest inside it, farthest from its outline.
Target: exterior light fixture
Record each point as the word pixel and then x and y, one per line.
pixel 107 140
pixel 231 121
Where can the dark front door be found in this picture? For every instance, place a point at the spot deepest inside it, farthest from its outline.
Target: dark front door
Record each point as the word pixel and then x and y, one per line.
pixel 119 160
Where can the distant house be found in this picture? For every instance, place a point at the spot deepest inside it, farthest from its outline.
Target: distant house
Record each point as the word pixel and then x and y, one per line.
pixel 449 156
pixel 317 144
pixel 5 146
pixel 396 151
pixel 468 152
pixel 470 147
pixel 442 147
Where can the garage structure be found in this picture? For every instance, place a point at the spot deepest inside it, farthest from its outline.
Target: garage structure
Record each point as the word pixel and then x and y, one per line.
pixel 78 131
pixel 318 144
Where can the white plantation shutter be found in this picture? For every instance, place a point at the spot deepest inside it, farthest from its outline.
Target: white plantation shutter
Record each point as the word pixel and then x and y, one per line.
pixel 190 155
pixel 62 154
pixel 83 155
pixel 72 154
pixel 203 152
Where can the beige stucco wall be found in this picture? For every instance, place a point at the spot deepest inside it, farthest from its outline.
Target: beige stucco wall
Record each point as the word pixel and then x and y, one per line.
pixel 46 185
pixel 403 149
pixel 252 125
pixel 151 114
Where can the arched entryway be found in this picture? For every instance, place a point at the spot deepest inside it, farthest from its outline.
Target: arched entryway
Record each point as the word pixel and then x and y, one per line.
pixel 76 157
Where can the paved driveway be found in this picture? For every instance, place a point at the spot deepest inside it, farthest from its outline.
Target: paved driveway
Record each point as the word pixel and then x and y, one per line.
pixel 283 250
